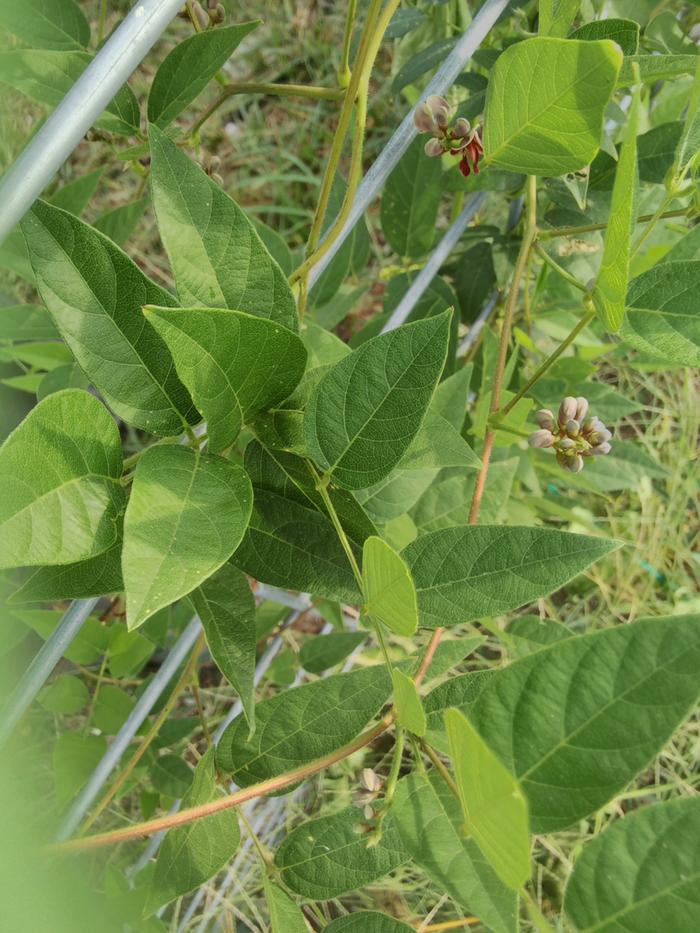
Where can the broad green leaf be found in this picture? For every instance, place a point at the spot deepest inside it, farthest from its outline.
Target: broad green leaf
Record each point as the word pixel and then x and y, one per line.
pixel 75 757
pixel 388 590
pixel 41 355
pixel 94 293
pixel 366 411
pixel 411 200
pixel 291 541
pixel 96 576
pixel 187 514
pixel 330 856
pixel 426 60
pixel 686 248
pixel 26 322
pixel 493 803
pixel 323 651
pixel 451 396
pixel 46 24
pixel 189 67
pixel 641 874
pixel 662 317
pixel 69 376
pixel 285 915
pixel 171 776
pixel 409 709
pixel 623 31
pixel 470 571
pixel 530 633
pixel 128 651
pixel 75 196
pixel 234 365
pixel 226 609
pixel 654 68
pixel 429 820
pixel 217 258
pixel 368 921
pixel 66 695
pixel 193 853
pixel 690 139
pixel 303 724
pixel 545 104
pixel 119 223
pixel 47 76
pixel 111 708
pixel 556 16
pixel 60 470
pixel 91 641
pixel 625 690
pixel 447 501
pixel 275 245
pixel 611 285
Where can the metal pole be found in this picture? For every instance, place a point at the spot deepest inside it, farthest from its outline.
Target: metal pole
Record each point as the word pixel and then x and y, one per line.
pixel 65 127
pixel 131 726
pixel 432 266
pixel 46 659
pixel 382 167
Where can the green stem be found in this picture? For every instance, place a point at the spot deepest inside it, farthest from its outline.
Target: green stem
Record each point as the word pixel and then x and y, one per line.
pixel 276 90
pixel 344 71
pixel 102 23
pixel 542 369
pixel 442 768
pixel 592 228
pixel 391 782
pixel 648 230
pixel 322 487
pixel 560 270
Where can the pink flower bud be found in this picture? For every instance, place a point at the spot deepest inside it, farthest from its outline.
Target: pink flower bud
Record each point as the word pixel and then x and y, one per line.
pixel 600 449
pixel 424 120
pixel 442 119
pixel 574 464
pixel 567 410
pixel 545 419
pixel 573 428
pixel 435 103
pixel 581 408
pixel 433 147
pixel 542 438
pixel 566 444
pixel 462 128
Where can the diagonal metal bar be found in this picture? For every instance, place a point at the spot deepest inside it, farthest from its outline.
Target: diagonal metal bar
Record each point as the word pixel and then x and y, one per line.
pixel 432 266
pixel 65 127
pixel 46 659
pixel 132 724
pixel 380 170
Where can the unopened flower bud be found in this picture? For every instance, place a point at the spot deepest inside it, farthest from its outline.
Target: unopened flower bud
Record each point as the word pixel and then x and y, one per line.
pixel 581 408
pixel 436 103
pixel 567 410
pixel 573 428
pixel 574 464
pixel 541 438
pixel 200 13
pixel 218 14
pixel 433 147
pixel 462 127
pixel 423 119
pixel 371 780
pixel 442 119
pixel 600 449
pixel 545 419
pixel 566 444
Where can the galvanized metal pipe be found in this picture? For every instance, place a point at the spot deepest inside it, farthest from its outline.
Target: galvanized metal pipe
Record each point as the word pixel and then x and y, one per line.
pixel 65 127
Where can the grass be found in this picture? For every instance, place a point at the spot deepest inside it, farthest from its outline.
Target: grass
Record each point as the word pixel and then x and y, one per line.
pixel 271 156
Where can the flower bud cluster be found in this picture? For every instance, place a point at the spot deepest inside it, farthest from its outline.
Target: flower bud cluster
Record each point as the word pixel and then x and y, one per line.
pixel 460 138
pixel 213 16
pixel 571 434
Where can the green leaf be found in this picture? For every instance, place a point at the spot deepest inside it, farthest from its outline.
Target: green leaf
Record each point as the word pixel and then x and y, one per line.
pixel 75 757
pixel 46 24
pixel 556 16
pixel 234 365
pixel 654 68
pixel 187 514
pixel 66 695
pixel 330 856
pixel 662 317
pixel 94 293
pixel 119 223
pixel 358 424
pixel 193 853
pixel 689 145
pixel 388 590
pixel 411 200
pixel 75 196
pixel 577 721
pixel 303 724
pixel 368 921
pixel 111 709
pixel 545 104
pixel 226 609
pixel 640 874
pixel 26 322
pixel 285 916
pixel 291 541
pixel 69 376
pixel 189 67
pixel 323 651
pixel 96 576
pixel 429 820
pixel 171 776
pixel 493 804
pixel 41 355
pixel 623 31
pixel 530 633
pixel 91 641
pixel 409 709
pixel 611 285
pixel 447 501
pixel 47 76
pixel 218 259
pixel 60 471
pixel 470 571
